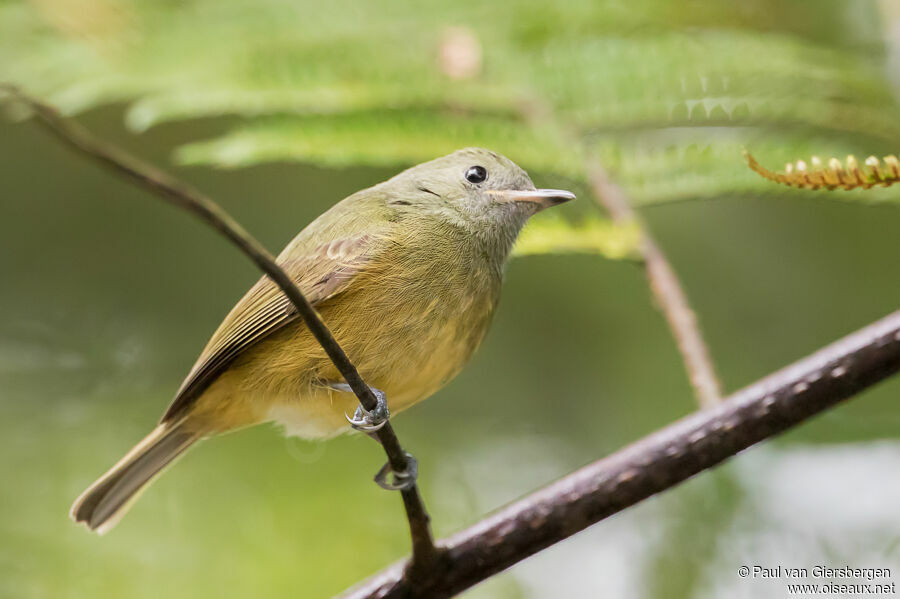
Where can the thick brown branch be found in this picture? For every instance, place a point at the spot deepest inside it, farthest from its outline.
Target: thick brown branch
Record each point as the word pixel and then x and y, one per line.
pixel 666 289
pixel 653 464
pixel 192 200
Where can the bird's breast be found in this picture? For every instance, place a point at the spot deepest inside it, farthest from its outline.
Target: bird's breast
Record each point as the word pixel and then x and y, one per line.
pixel 424 324
pixel 409 324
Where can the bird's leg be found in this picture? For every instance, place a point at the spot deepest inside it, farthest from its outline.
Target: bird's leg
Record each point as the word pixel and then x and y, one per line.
pixel 370 422
pixel 364 420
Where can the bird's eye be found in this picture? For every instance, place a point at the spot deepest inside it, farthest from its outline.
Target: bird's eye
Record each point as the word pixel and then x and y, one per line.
pixel 476 174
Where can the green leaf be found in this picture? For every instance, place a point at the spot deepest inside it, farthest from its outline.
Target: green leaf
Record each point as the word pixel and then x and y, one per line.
pixel 666 94
pixel 552 234
pixel 654 169
pixel 382 138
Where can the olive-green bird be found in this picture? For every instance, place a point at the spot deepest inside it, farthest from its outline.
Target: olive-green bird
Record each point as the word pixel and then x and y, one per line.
pixel 406 274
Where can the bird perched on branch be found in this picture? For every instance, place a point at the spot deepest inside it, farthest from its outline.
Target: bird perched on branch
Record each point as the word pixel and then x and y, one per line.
pixel 406 274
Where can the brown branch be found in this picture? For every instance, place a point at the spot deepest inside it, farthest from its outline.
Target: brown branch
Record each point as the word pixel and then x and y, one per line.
pixel 656 463
pixel 204 208
pixel 571 504
pixel 666 288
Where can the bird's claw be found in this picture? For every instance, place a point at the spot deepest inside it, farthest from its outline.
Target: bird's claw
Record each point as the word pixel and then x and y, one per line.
pixel 370 421
pixel 402 480
pixel 367 421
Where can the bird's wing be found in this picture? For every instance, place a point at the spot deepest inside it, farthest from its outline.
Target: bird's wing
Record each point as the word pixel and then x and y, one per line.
pixel 320 274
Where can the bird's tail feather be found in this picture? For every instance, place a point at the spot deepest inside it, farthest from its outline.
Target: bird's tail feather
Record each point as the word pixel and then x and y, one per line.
pixel 102 505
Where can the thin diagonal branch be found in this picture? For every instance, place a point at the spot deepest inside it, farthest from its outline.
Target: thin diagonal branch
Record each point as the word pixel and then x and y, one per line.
pixel 186 197
pixel 653 464
pixel 667 290
pixel 664 283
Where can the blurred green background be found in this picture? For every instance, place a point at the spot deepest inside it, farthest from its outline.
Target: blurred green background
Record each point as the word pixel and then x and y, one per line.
pixel 108 295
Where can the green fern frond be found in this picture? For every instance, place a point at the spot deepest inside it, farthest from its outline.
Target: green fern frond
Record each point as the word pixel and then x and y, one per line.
pixel 714 78
pixel 551 234
pixel 382 138
pixel 655 169
pixel 666 94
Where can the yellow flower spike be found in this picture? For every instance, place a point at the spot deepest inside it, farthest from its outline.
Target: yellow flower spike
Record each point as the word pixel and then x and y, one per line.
pixel 815 176
pixel 893 165
pixel 853 169
pixel 803 176
pixel 832 174
pixel 836 175
pixel 875 169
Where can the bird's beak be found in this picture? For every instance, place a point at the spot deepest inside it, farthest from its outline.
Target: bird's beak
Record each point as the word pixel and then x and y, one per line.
pixel 545 198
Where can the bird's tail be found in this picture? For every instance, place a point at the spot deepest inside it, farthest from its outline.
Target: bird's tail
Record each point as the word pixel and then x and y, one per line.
pixel 107 500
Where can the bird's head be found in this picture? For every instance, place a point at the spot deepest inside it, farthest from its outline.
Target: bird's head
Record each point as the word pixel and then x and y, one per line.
pixel 480 191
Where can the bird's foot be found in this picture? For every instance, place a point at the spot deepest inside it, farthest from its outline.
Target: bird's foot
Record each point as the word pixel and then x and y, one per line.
pixel 365 420
pixel 400 481
pixel 371 421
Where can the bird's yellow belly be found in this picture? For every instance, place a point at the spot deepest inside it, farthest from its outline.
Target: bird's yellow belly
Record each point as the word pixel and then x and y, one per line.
pixel 320 411
pixel 416 368
pixel 284 379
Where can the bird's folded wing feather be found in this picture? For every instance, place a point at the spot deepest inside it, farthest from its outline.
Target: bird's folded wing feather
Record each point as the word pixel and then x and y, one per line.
pixel 322 273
